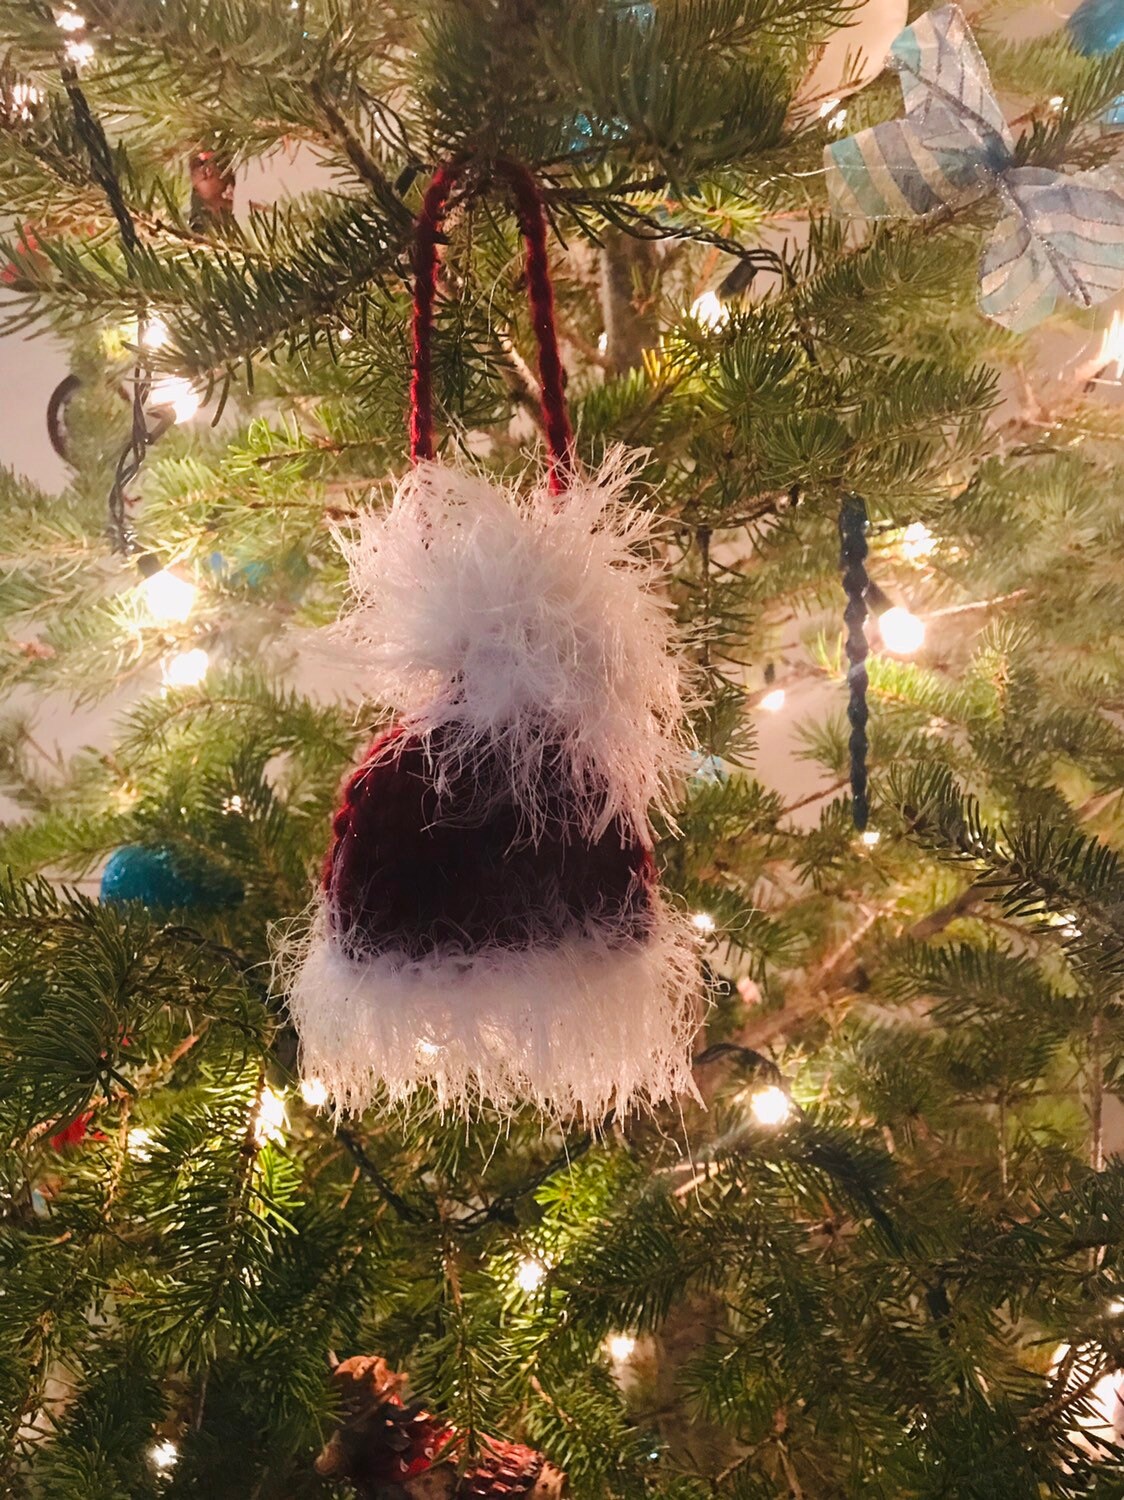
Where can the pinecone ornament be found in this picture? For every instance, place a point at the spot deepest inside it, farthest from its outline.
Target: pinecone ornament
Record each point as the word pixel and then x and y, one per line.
pixel 390 1449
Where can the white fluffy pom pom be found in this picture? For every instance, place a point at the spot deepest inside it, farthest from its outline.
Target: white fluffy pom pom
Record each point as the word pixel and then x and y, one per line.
pixel 523 624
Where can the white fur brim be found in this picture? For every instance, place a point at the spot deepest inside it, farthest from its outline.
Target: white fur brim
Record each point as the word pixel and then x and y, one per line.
pixel 575 1029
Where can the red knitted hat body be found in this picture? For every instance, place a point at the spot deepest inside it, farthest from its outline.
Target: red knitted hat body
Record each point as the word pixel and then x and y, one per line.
pixel 413 870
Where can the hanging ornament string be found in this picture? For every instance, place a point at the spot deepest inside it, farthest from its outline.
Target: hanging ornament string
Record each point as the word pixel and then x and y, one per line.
pixel 852 558
pixel 531 217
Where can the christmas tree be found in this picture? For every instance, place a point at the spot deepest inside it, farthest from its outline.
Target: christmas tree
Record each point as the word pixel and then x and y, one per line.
pixel 874 1243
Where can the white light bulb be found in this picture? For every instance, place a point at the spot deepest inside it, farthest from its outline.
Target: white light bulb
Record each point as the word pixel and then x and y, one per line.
pixel 1112 345
pixel 138 1143
pixel 710 310
pixel 621 1346
pixel 233 803
pixel 829 106
pixel 314 1092
pixel 770 1105
pixel 164 1455
pixel 1103 1416
pixel 837 123
pixel 917 541
pixel 22 98
pixel 702 921
pixel 70 20
pixel 271 1117
pixel 187 668
pixel 773 701
pixel 155 334
pixel 1056 102
pixel 870 837
pixel 79 53
pixel 1115 1307
pixel 428 1049
pixel 902 632
pixel 529 1275
pixel 167 596
pixel 179 394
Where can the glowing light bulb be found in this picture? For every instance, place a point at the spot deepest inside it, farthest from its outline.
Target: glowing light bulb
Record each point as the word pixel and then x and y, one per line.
pixel 70 20
pixel 621 1346
pixel 176 393
pixel 1112 345
pixel 232 804
pixel 529 1275
pixel 773 701
pixel 1103 1418
pixel 702 921
pixel 917 541
pixel 79 52
pixel 428 1049
pixel 155 334
pixel 168 597
pixel 710 310
pixel 1056 102
pixel 345 335
pixel 770 1105
pixel 138 1143
pixel 902 632
pixel 22 99
pixel 164 1455
pixel 314 1092
pixel 837 123
pixel 271 1117
pixel 1115 1307
pixel 870 837
pixel 186 668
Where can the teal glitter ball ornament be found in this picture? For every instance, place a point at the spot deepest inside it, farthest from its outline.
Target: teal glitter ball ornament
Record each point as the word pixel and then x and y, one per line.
pixel 1096 28
pixel 163 878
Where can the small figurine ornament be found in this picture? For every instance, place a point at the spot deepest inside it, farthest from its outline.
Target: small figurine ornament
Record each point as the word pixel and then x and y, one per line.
pixel 490 925
pixel 387 1447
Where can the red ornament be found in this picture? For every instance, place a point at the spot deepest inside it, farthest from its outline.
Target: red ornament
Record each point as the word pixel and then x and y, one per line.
pixel 384 1443
pixel 410 870
pixel 76 1132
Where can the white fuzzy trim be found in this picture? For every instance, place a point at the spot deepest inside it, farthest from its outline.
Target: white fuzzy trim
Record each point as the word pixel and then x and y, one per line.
pixel 576 1029
pixel 509 620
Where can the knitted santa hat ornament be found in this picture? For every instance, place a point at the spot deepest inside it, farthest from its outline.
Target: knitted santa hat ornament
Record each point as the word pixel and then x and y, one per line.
pixel 489 925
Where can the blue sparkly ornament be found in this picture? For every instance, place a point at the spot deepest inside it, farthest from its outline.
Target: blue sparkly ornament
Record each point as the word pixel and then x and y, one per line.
pixel 162 878
pixel 588 130
pixel 707 770
pixel 250 574
pixel 1095 28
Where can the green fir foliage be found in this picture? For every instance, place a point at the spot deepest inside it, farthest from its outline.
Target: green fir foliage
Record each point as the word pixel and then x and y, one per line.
pixel 908 1286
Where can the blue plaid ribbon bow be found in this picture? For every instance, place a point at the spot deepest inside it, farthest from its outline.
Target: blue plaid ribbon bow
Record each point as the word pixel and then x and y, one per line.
pixel 1060 234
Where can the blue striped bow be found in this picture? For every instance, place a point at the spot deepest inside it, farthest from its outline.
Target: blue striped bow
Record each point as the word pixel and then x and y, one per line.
pixel 1060 235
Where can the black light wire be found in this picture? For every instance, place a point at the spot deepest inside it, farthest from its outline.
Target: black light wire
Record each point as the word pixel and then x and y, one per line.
pixel 91 133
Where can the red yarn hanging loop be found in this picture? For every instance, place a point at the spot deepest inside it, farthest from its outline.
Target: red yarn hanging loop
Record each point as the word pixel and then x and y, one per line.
pixel 427 235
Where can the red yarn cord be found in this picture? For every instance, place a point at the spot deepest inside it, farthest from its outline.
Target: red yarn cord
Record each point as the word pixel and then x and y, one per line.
pixel 532 222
